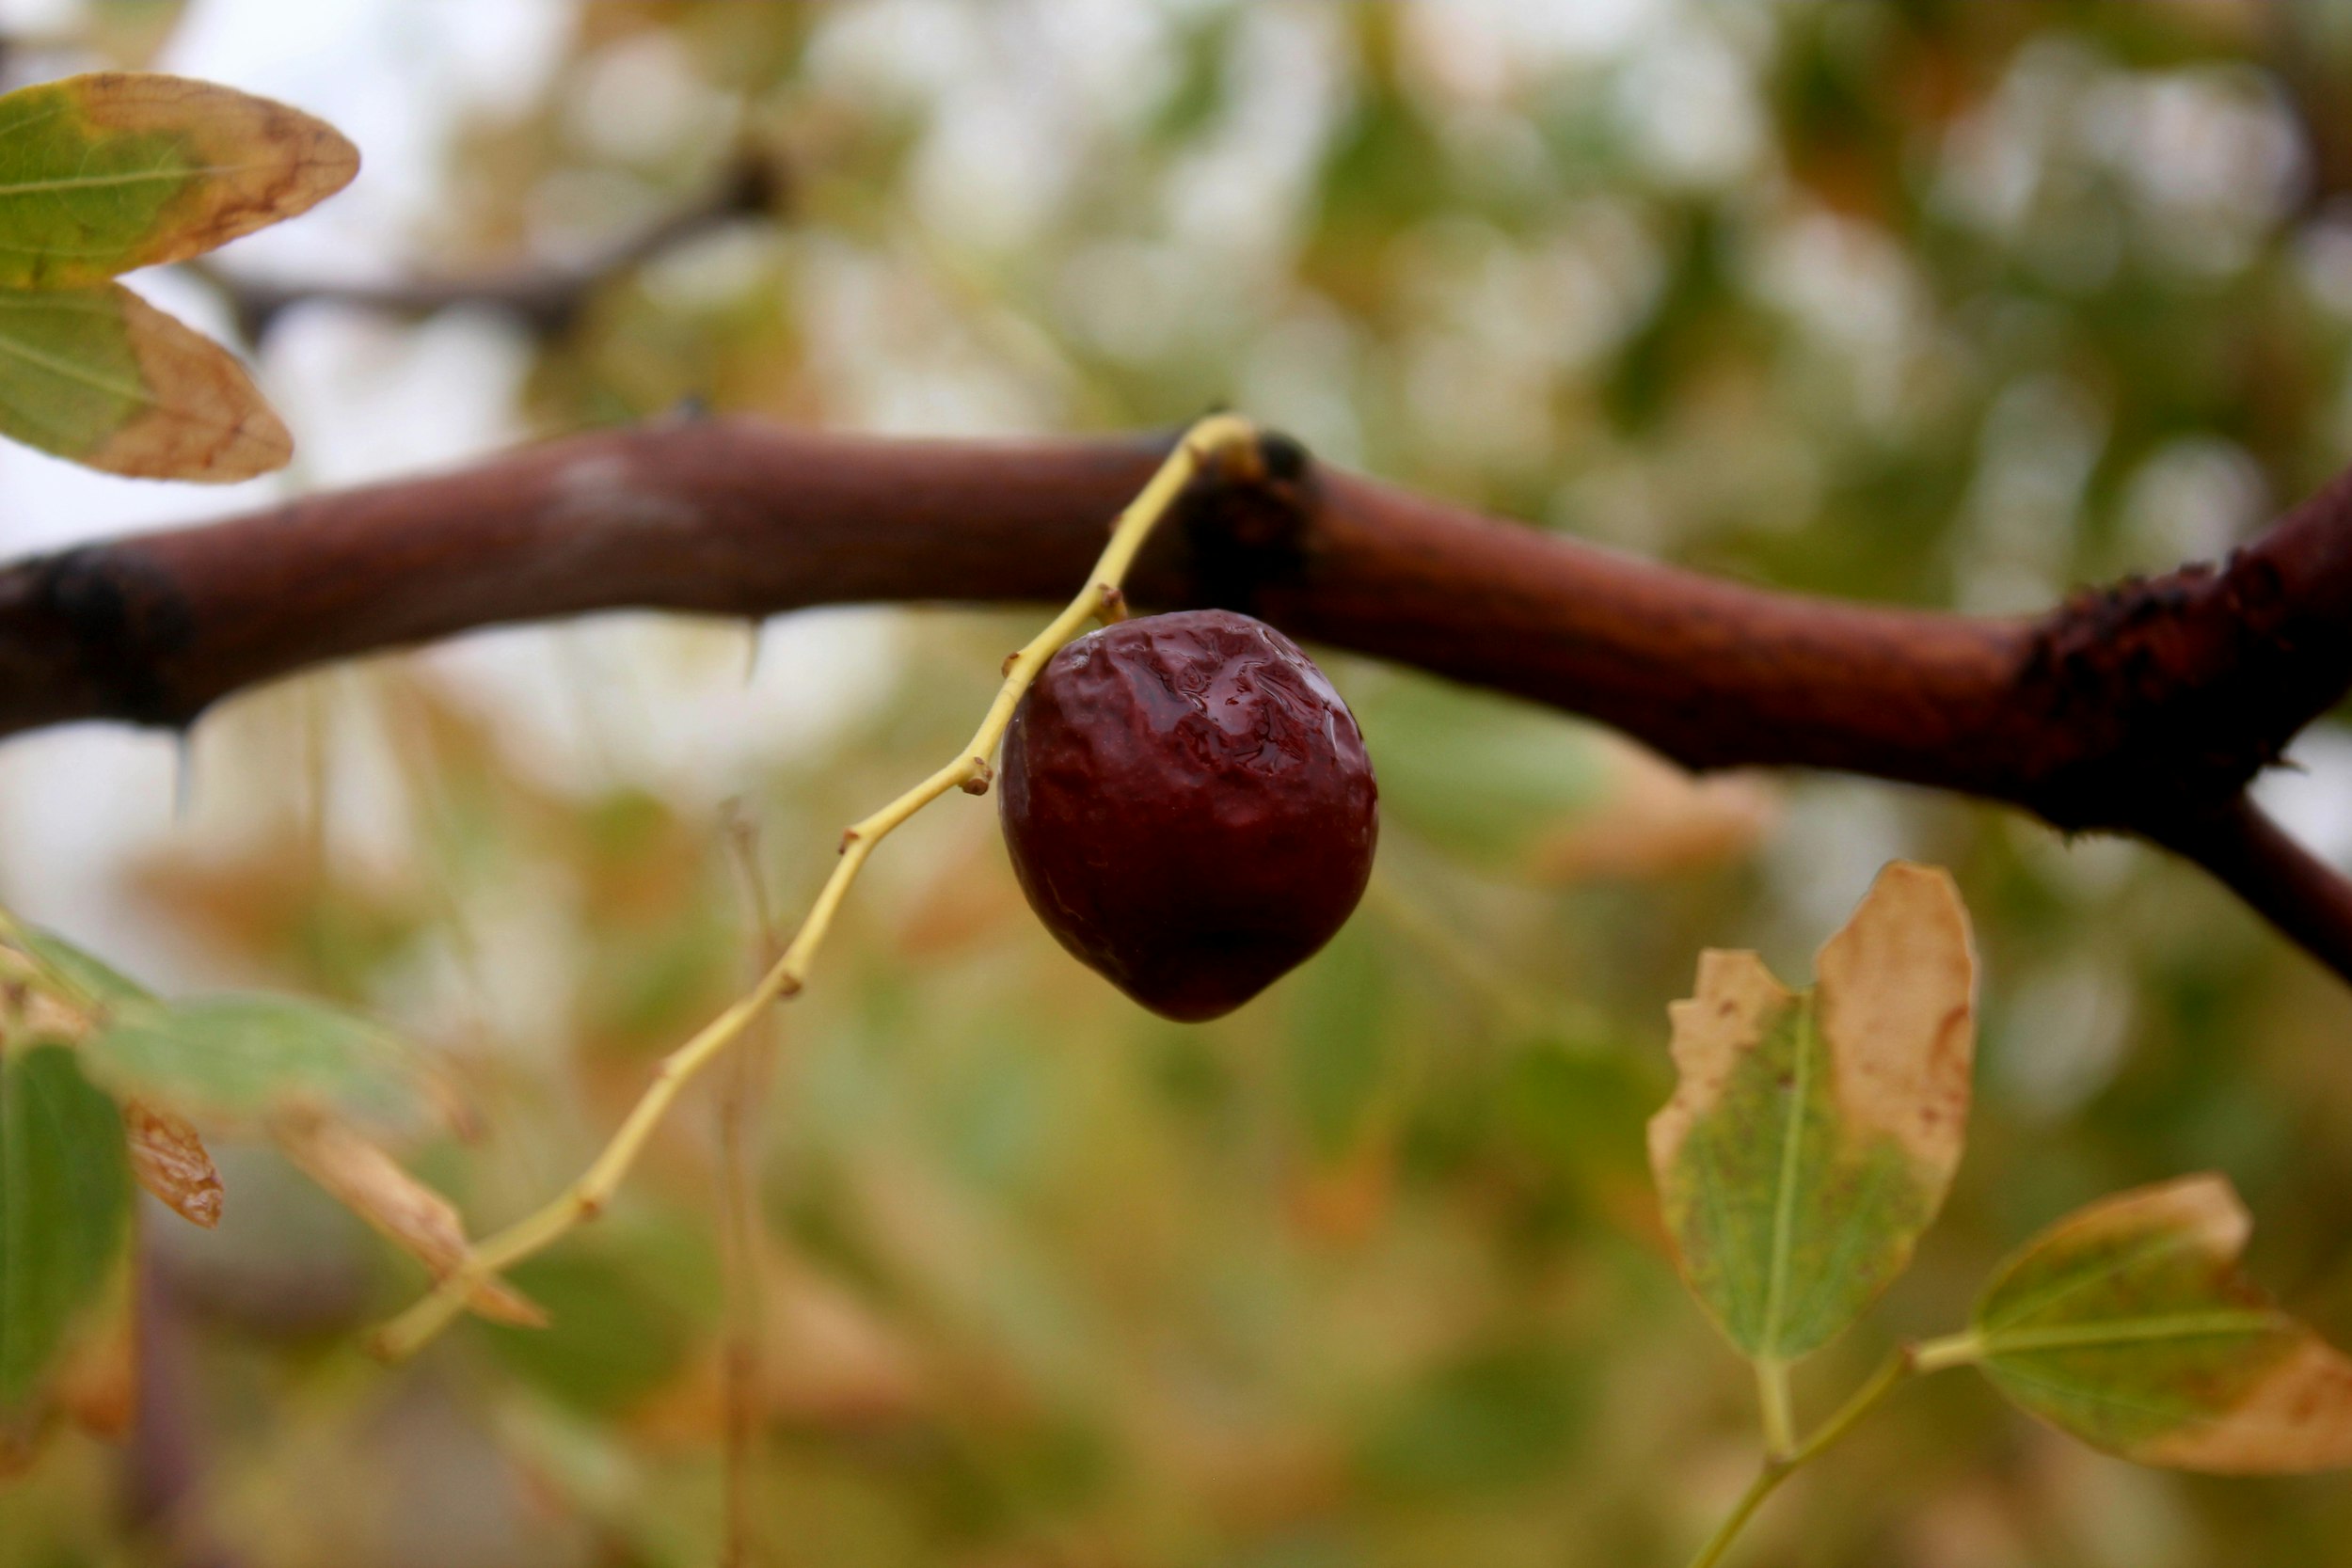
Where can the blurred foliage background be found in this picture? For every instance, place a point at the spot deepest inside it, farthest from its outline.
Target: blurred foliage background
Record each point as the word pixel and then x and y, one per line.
pixel 1936 302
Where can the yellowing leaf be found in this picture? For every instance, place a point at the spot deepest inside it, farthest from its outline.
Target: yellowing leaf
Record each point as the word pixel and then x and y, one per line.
pixel 97 1386
pixel 1812 1135
pixel 99 376
pixel 170 1162
pixel 415 1218
pixel 2130 1325
pixel 103 173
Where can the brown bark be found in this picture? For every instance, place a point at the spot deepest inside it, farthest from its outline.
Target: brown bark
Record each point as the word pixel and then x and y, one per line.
pixel 2144 708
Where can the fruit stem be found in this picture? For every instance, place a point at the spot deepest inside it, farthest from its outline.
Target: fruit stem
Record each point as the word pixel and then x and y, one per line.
pixel 1219 439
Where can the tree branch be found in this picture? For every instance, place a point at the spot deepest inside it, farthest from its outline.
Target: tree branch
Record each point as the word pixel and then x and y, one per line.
pixel 2308 899
pixel 2144 708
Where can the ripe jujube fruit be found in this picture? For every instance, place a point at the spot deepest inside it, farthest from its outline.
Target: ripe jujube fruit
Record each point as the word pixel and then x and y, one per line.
pixel 1189 807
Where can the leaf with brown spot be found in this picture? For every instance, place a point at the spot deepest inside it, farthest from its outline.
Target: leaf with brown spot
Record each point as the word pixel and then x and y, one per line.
pixel 1812 1135
pixel 172 1162
pixel 102 378
pixel 2130 1325
pixel 103 173
pixel 415 1218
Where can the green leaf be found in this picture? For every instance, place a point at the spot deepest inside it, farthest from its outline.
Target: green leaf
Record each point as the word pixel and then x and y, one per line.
pixel 243 1058
pixel 1485 777
pixel 102 378
pixel 64 1206
pixel 54 994
pixel 104 173
pixel 2130 1325
pixel 1812 1135
pixel 625 1313
pixel 1497 1419
pixel 1343 1021
pixel 93 977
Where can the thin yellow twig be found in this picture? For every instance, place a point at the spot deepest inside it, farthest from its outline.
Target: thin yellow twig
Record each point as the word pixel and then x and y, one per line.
pixel 1219 437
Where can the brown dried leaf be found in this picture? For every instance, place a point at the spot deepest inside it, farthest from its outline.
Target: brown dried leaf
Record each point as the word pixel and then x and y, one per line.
pixel 203 418
pixel 170 1162
pixel 1897 994
pixel 415 1218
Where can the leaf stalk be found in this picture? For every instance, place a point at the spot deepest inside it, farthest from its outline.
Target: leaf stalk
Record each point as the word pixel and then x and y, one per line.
pixel 1905 1363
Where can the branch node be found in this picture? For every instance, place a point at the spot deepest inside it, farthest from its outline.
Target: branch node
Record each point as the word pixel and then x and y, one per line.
pixel 1283 456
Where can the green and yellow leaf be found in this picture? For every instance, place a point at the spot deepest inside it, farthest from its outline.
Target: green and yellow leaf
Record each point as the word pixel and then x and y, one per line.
pixel 104 173
pixel 96 1386
pixel 99 376
pixel 54 994
pixel 625 1315
pixel 244 1059
pixel 84 979
pixel 2130 1325
pixel 1812 1135
pixel 65 1208
pixel 411 1215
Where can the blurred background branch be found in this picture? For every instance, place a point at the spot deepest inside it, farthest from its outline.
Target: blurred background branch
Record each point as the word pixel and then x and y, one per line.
pixel 546 297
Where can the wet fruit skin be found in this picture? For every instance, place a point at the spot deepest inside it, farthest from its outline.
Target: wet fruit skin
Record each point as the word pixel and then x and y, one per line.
pixel 1189 807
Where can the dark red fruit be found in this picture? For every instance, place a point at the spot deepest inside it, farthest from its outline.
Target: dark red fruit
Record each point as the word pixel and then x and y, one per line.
pixel 1189 807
